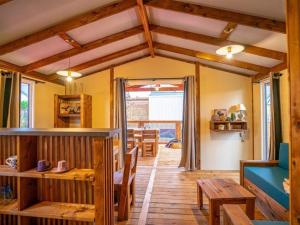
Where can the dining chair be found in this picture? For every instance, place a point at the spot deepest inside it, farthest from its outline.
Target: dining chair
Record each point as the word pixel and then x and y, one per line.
pixel 150 142
pixel 124 184
pixel 130 139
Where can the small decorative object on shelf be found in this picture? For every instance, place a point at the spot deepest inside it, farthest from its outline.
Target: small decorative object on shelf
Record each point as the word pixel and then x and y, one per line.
pixel 234 122
pixel 219 115
pixel 12 161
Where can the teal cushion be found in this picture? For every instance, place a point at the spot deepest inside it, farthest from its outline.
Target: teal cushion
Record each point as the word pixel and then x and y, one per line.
pixel 266 222
pixel 269 179
pixel 284 156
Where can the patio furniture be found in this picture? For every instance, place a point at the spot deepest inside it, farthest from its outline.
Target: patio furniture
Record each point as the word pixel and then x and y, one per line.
pixel 224 191
pixel 130 139
pixel 150 142
pixel 124 184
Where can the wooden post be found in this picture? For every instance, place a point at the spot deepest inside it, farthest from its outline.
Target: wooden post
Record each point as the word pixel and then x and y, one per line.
pixel 112 97
pixel 198 127
pixel 293 33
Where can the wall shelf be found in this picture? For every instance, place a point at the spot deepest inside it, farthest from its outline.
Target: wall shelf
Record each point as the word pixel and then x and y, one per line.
pixel 229 126
pixel 59 210
pixel 72 120
pixel 44 198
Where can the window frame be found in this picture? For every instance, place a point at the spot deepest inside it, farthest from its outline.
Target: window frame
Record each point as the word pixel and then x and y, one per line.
pixel 31 84
pixel 264 128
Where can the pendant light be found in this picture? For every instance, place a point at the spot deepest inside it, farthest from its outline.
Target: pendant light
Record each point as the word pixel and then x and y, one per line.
pixel 68 73
pixel 230 50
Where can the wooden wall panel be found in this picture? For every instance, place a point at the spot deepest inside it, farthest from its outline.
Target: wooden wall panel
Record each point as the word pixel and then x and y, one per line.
pixel 8 147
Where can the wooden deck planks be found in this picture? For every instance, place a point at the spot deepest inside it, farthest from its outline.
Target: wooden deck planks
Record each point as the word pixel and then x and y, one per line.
pixel 174 193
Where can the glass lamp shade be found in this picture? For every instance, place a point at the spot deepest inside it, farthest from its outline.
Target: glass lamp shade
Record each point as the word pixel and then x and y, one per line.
pixel 230 50
pixel 68 73
pixel 240 107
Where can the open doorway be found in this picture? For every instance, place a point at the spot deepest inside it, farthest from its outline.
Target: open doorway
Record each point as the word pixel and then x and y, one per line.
pixel 155 114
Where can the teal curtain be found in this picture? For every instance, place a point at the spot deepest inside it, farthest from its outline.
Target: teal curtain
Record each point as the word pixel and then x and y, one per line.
pixel 276 129
pixel 9 99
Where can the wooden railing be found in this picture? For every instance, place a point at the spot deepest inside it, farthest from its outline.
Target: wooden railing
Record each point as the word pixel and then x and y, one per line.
pixel 159 124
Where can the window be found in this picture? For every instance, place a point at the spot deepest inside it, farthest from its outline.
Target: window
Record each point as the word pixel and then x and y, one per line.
pixel 26 104
pixel 266 114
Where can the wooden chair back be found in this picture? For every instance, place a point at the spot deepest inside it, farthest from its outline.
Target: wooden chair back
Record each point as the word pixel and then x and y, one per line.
pixel 130 138
pixel 130 165
pixel 130 134
pixel 150 135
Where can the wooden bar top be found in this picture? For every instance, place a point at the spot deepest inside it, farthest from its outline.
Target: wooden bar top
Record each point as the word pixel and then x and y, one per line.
pixel 92 132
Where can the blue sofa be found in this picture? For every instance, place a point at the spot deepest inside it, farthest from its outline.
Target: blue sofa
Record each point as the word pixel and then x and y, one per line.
pixel 264 179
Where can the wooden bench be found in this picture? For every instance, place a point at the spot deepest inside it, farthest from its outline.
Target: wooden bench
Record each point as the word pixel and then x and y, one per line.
pixel 224 191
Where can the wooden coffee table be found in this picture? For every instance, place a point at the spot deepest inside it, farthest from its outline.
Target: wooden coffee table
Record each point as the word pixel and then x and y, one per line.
pixel 224 191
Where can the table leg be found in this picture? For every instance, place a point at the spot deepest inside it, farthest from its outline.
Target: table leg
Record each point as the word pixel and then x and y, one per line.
pixel 250 208
pixel 200 196
pixel 214 212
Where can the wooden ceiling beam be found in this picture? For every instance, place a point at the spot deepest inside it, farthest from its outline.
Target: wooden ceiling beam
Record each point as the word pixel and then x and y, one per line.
pixel 69 40
pixel 35 75
pixel 144 20
pixel 75 22
pixel 217 41
pixel 84 48
pixel 211 57
pixel 227 31
pixel 4 1
pixel 202 64
pixel 219 14
pixel 262 76
pixel 103 59
pixel 115 65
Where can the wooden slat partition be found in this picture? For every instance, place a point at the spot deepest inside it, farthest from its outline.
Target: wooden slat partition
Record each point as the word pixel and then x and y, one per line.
pixel 59 199
pixel 8 147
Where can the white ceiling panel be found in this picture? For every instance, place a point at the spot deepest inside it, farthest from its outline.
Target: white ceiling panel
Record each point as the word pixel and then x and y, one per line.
pixel 104 27
pixel 93 54
pixel 273 9
pixel 186 22
pixel 23 17
pixel 184 43
pixel 115 61
pixel 260 38
pixel 255 59
pixel 37 51
pixel 209 63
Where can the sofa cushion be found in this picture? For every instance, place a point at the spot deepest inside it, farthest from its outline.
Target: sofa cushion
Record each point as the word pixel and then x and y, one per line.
pixel 266 222
pixel 269 180
pixel 284 156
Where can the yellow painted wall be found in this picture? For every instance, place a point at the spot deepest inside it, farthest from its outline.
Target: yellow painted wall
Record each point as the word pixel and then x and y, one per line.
pixel 218 90
pixel 223 151
pixel 285 113
pixel 44 104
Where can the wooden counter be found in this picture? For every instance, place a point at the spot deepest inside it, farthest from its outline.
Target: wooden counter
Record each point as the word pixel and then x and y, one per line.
pixel 84 194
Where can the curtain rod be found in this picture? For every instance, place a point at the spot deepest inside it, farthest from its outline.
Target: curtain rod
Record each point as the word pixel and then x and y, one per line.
pixel 158 78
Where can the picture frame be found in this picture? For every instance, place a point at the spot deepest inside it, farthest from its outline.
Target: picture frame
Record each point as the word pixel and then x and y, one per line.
pixel 220 114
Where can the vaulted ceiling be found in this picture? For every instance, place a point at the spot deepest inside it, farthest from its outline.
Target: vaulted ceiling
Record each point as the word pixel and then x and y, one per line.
pixel 39 37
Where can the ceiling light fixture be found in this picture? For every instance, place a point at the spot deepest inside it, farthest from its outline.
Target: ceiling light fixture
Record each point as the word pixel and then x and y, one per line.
pixel 230 50
pixel 68 73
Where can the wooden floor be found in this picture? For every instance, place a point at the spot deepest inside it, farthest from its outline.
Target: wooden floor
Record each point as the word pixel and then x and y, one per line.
pixel 167 195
